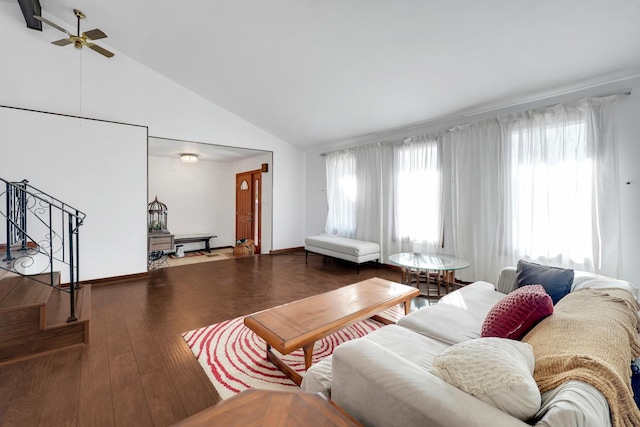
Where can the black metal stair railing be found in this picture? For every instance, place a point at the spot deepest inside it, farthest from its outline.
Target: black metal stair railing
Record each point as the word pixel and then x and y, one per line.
pixel 42 237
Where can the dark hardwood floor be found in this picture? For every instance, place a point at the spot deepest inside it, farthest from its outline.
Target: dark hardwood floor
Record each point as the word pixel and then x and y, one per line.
pixel 137 370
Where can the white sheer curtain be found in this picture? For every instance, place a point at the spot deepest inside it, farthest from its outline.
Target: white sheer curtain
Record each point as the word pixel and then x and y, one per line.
pixel 341 193
pixel 539 185
pixel 354 193
pixel 561 186
pixel 398 184
pixel 415 195
pixel 471 153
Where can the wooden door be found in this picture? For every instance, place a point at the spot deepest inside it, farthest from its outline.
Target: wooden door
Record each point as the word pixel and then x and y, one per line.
pixel 256 191
pixel 248 205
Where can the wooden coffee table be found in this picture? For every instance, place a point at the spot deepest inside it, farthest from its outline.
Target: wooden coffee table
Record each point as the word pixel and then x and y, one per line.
pixel 300 324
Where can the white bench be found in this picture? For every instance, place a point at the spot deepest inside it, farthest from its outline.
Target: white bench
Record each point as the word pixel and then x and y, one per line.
pixel 357 251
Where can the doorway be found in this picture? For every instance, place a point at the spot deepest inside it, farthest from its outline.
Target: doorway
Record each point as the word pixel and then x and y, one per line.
pixel 201 196
pixel 249 207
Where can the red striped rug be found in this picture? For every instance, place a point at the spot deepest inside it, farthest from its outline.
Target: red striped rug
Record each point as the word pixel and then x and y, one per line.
pixel 234 357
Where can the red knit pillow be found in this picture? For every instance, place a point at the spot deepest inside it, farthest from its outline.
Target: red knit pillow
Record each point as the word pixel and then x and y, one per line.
pixel 514 315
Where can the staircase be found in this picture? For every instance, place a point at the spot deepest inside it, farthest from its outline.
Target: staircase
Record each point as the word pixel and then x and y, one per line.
pixel 43 306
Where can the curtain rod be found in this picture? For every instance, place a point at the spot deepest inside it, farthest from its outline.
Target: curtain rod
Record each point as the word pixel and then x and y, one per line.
pixel 626 92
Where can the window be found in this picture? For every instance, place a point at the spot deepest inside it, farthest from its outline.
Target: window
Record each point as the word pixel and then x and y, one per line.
pixel 341 194
pixel 551 193
pixel 416 170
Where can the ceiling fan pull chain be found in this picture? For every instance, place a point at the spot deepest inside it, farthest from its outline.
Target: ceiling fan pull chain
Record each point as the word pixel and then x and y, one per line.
pixel 80 82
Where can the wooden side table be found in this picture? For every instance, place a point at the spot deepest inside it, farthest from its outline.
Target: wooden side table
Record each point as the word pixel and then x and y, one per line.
pixel 158 244
pixel 257 408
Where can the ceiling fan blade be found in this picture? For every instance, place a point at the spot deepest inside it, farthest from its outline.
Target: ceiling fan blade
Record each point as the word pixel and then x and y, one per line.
pixel 94 34
pixel 56 26
pixel 62 42
pixel 100 50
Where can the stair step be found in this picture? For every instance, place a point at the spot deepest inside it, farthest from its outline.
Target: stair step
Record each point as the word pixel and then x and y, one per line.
pixel 4 273
pixel 58 307
pixel 33 317
pixel 6 264
pixel 16 347
pixel 7 283
pixel 23 292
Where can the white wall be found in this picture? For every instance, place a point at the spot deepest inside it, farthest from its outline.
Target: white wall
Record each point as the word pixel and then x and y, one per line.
pixel 55 154
pixel 37 75
pixel 199 197
pixel 290 175
pixel 317 207
pixel 628 138
pixel 628 131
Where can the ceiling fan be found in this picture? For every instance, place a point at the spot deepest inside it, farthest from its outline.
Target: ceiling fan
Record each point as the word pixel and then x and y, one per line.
pixel 79 40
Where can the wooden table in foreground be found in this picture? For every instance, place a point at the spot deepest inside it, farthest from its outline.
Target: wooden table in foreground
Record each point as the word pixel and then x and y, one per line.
pixel 257 408
pixel 300 324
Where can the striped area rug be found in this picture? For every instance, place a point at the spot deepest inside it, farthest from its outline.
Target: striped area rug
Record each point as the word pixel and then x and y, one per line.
pixel 234 357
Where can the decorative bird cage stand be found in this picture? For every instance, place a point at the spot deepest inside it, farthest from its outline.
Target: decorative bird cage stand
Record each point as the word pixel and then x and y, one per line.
pixel 157 218
pixel 160 241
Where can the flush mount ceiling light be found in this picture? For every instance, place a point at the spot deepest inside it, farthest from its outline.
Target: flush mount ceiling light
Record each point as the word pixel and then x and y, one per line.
pixel 188 158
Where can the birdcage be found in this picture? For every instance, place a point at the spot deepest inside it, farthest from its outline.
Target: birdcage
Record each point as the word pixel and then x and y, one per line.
pixel 157 218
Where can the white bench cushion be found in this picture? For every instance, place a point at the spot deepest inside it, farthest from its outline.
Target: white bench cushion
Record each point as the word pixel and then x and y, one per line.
pixel 342 245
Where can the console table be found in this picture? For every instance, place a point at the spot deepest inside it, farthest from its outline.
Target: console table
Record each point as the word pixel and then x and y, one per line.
pixel 193 238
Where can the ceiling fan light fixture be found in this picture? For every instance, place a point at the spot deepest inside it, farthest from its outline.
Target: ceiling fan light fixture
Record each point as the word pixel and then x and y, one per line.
pixel 188 157
pixel 79 40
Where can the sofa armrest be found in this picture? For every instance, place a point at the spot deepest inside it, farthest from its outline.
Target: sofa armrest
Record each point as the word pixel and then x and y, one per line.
pixel 506 280
pixel 380 388
pixel 317 379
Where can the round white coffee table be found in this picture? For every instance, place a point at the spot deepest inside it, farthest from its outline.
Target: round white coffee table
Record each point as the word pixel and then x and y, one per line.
pixel 418 266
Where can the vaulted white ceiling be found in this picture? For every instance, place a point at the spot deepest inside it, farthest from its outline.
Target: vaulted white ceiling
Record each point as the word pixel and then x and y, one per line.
pixel 317 72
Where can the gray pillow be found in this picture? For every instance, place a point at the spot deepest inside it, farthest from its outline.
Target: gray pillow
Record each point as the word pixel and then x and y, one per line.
pixel 555 281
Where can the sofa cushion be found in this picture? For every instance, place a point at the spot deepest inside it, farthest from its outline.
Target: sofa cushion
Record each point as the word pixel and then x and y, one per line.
pixel 457 317
pixel 514 315
pixel 556 281
pixel 495 370
pixel 415 348
pixel 411 347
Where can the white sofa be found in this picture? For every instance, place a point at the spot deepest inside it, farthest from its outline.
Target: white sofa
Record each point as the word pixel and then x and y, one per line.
pixel 383 379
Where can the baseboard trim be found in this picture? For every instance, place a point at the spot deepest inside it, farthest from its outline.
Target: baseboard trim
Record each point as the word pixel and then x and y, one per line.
pixel 286 251
pixel 117 279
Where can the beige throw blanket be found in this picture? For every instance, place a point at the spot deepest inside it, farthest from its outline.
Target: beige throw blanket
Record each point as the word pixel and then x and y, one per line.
pixel 592 336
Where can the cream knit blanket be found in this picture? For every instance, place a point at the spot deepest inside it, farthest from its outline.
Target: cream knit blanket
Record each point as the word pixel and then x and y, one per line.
pixel 592 336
